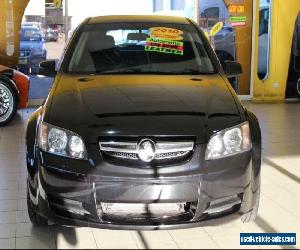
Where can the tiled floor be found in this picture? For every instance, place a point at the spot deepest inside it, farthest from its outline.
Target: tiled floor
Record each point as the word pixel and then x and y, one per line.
pixel 279 210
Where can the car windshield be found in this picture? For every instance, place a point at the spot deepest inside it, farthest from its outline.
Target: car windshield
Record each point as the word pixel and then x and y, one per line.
pixel 30 35
pixel 139 48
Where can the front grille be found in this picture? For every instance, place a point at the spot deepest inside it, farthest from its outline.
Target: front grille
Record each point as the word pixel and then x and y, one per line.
pixel 164 150
pixel 171 155
pixel 122 155
pixel 144 214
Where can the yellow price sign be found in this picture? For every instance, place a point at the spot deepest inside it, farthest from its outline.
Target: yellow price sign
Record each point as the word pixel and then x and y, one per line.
pixel 166 33
pixel 57 3
pixel 216 29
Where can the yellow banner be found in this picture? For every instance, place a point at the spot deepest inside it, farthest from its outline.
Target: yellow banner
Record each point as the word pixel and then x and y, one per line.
pixel 216 29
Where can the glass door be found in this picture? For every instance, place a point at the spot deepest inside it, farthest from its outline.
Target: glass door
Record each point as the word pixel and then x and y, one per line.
pixel 228 25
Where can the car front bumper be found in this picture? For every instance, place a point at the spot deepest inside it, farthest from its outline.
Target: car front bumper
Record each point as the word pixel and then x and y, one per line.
pixel 210 198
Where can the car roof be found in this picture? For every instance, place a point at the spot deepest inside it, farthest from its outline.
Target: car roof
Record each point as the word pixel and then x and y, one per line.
pixel 27 27
pixel 138 18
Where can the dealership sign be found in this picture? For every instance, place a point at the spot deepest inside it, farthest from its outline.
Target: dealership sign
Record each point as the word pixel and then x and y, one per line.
pixel 236 8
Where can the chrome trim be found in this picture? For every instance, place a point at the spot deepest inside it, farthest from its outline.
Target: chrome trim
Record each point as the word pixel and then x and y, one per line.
pixel 163 149
pixel 121 147
pixel 168 147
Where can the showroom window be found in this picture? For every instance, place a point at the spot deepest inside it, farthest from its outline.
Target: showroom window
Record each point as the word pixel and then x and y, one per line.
pixel 264 39
pixel 178 4
pixel 296 47
pixel 293 80
pixel 211 14
pixel 158 5
pixel 232 35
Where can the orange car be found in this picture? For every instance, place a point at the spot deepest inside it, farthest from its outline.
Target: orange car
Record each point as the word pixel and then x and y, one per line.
pixel 14 92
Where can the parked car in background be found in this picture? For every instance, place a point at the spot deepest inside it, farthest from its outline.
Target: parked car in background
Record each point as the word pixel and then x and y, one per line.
pixel 142 130
pixel 33 24
pixel 51 35
pixel 32 49
pixel 14 92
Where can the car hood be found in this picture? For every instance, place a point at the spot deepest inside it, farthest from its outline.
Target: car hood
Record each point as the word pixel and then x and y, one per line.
pixel 144 105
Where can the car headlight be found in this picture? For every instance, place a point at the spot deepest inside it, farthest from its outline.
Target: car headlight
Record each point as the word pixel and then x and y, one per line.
pixel 60 142
pixel 229 142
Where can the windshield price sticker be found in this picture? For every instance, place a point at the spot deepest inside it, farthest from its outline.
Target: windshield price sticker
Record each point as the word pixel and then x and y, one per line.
pixel 164 46
pixel 166 33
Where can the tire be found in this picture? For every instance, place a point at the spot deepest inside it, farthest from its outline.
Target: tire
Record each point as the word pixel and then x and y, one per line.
pixel 251 216
pixel 34 217
pixel 8 102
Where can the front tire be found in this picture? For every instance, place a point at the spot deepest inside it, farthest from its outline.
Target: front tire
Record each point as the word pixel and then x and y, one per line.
pixel 34 217
pixel 8 102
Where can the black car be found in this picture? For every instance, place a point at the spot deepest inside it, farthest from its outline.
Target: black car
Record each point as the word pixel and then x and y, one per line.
pixel 142 130
pixel 51 35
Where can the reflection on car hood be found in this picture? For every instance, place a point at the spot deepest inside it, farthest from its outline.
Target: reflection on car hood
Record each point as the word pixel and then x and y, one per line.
pixel 143 105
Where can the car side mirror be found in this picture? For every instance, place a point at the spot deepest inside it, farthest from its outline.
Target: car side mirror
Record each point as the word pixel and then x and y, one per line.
pixel 48 68
pixel 232 68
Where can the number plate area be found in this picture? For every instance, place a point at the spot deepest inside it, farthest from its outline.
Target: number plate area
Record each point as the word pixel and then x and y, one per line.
pixel 153 210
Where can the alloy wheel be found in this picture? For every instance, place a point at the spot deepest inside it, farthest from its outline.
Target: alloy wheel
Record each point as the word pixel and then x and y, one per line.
pixel 6 102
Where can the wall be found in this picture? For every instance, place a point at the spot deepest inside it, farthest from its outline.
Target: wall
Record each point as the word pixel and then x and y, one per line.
pixel 11 13
pixel 284 14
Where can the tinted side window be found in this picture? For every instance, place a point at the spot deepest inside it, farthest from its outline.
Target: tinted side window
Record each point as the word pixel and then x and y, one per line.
pixel 158 5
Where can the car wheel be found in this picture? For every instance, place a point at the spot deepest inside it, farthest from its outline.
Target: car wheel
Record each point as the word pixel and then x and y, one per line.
pixel 251 216
pixel 34 217
pixel 8 103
